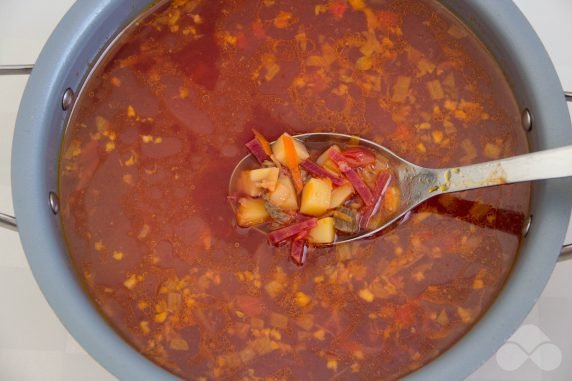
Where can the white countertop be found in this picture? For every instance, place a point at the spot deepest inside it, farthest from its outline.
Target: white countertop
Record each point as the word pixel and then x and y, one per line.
pixel 35 346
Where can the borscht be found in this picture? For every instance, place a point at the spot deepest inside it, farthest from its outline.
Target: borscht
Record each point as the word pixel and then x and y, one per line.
pixel 164 117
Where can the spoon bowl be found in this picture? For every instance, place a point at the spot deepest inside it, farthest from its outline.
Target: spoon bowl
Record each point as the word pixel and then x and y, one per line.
pixel 418 184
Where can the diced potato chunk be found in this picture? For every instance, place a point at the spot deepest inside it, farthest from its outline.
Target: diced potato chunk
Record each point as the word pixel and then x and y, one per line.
pixel 323 232
pixel 265 177
pixel 284 196
pixel 340 195
pixel 248 187
pixel 332 167
pixel 280 153
pixel 325 156
pixel 251 212
pixel 316 197
pixel 253 182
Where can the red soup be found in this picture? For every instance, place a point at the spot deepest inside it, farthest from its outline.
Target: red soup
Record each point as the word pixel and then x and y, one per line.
pixel 160 124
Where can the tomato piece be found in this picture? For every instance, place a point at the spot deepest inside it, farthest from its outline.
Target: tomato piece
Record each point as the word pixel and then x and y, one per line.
pixel 338 8
pixel 405 315
pixel 388 18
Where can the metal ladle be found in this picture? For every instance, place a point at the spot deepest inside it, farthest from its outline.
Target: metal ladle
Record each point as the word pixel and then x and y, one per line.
pixel 418 184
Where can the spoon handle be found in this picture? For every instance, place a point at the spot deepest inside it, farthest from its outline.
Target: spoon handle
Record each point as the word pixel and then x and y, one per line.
pixel 548 164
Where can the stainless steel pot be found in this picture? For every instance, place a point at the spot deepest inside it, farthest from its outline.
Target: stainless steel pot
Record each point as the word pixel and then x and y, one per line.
pixel 76 44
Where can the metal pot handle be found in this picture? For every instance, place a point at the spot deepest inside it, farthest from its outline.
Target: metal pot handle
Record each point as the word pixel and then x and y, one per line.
pixel 9 222
pixel 565 253
pixel 15 69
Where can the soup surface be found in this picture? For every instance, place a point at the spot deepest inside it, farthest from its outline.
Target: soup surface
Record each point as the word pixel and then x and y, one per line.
pixel 161 123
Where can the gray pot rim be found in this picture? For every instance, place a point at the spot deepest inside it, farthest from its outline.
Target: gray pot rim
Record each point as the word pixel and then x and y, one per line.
pixel 73 46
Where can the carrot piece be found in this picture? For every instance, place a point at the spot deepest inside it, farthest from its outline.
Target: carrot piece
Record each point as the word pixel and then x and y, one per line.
pixel 263 142
pixel 292 162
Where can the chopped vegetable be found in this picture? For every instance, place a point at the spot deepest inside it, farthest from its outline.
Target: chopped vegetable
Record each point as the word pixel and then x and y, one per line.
pixel 265 178
pixel 401 89
pixel 391 200
pixel 318 171
pixel 381 185
pixel 298 249
pixel 316 197
pixel 492 151
pixel 340 195
pixel 292 161
pixel 251 212
pixel 263 142
pixel 331 167
pixel 280 235
pixel 284 196
pixel 278 148
pixel 346 220
pixel 332 197
pixel 253 182
pixel 358 184
pixel 325 156
pixel 323 232
pixel 435 89
pixel 257 150
pixel 246 186
pixel 358 156
pixel 278 214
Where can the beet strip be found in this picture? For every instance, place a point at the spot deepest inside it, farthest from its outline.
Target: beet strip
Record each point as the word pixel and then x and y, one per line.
pixel 358 156
pixel 298 250
pixel 318 171
pixel 381 184
pixel 256 149
pixel 280 235
pixel 301 217
pixel 358 184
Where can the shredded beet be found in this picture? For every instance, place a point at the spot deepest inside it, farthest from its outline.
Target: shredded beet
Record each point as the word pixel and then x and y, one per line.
pixel 381 184
pixel 298 249
pixel 318 171
pixel 282 234
pixel 360 187
pixel 257 150
pixel 340 161
pixel 358 184
pixel 358 156
pixel 301 217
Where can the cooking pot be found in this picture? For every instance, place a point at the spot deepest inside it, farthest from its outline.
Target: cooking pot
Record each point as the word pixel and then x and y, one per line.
pixel 81 37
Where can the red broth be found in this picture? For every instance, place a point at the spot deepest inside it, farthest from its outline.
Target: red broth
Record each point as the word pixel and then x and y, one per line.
pixel 162 121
